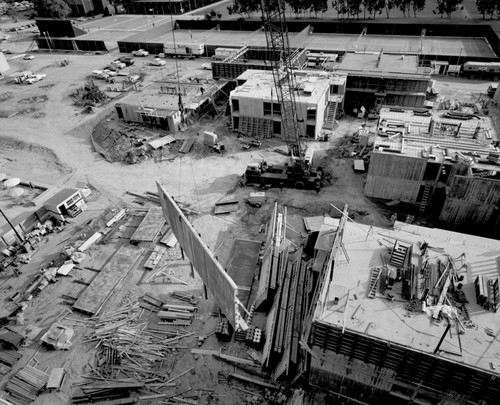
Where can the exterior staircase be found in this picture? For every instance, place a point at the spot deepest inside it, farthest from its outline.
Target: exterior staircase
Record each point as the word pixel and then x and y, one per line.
pixel 374 278
pixel 425 198
pixel 330 115
pixel 398 255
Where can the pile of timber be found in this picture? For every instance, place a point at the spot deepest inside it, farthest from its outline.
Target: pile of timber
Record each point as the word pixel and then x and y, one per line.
pixel 150 303
pixel 106 391
pixel 155 199
pixel 27 384
pixel 127 344
pixel 183 296
pixel 9 357
pixel 177 314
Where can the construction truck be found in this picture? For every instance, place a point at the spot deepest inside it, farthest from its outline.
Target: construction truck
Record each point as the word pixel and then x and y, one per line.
pixel 291 176
pixel 298 172
pixel 212 140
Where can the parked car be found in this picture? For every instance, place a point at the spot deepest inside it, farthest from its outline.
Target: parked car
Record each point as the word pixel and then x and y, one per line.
pixel 127 60
pixel 140 52
pixel 28 57
pixel 6 37
pixel 206 66
pixel 100 74
pixel 110 73
pixel 35 78
pixel 157 62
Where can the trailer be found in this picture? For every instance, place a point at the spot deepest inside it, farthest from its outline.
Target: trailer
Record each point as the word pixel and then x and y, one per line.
pixel 184 49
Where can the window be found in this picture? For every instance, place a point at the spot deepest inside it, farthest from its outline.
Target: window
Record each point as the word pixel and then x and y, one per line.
pixel 276 108
pixel 236 123
pixel 236 105
pixel 267 108
pixel 334 89
pixel 311 113
pixel 277 127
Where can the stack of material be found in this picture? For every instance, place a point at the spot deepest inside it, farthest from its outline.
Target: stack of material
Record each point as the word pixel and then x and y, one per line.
pixel 154 258
pixel 183 296
pixel 151 303
pixel 128 346
pixel 9 357
pixel 27 384
pixel 105 391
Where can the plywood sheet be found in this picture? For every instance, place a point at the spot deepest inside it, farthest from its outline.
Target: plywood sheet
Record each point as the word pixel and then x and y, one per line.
pixel 220 284
pixel 242 264
pixel 113 272
pixel 149 227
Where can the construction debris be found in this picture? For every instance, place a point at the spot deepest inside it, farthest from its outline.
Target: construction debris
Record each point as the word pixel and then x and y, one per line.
pixel 26 384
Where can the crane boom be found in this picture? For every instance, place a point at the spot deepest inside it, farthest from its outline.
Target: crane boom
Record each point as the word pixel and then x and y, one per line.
pixel 273 13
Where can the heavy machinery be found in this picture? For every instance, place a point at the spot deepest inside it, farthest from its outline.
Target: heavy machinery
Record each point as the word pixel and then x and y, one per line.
pixel 298 173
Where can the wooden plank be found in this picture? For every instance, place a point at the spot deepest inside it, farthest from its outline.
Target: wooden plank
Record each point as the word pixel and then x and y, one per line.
pixel 254 381
pixel 149 227
pixel 187 145
pixel 89 242
pixel 103 285
pixel 56 378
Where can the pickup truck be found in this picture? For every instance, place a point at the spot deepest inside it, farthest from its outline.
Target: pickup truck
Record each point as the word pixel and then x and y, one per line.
pixel 157 62
pixel 35 78
pixel 127 60
pixel 140 52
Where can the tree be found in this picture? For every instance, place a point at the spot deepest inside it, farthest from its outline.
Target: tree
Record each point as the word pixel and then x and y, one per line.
pixel 52 8
pixel 487 7
pixel 417 5
pixel 319 6
pixel 373 7
pixel 447 7
pixel 354 7
pixel 246 7
pixel 341 7
pixel 403 5
pixel 389 5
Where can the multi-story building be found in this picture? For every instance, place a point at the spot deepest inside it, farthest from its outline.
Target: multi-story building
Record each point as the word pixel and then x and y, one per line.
pixel 255 110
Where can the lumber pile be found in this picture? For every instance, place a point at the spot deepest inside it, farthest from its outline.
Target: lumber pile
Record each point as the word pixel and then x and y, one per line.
pixel 9 357
pixel 183 296
pixel 106 391
pixel 27 384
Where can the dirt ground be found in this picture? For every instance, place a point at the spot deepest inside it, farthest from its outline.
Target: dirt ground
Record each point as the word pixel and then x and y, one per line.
pixel 49 141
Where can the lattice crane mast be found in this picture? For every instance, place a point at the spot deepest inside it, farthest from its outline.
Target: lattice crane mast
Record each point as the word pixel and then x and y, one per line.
pixel 278 47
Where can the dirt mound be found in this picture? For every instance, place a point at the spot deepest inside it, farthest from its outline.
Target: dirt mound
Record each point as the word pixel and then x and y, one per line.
pixel 7 143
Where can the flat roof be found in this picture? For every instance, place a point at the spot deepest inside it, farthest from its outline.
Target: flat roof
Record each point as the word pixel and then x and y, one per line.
pixel 164 95
pixel 260 84
pixel 392 321
pixel 61 196
pixel 385 64
pixel 415 139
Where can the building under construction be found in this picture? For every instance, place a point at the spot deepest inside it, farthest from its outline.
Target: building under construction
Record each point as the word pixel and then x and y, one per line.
pixel 447 165
pixel 256 112
pixel 376 79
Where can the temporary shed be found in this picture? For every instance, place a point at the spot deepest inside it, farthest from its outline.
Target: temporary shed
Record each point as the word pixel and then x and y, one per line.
pixel 67 202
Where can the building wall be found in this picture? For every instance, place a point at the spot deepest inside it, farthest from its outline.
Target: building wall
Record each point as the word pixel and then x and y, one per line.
pixel 395 177
pixel 474 201
pixel 4 65
pixel 376 371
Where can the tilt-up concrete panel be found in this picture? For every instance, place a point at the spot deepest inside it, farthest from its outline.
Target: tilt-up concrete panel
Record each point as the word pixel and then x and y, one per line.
pixel 222 287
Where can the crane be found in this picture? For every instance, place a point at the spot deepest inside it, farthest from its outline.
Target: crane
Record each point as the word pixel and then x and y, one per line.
pixel 298 174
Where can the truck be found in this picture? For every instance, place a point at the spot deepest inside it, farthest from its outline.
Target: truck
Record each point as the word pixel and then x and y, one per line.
pixel 32 79
pixel 22 76
pixel 263 175
pixel 184 49
pixel 212 140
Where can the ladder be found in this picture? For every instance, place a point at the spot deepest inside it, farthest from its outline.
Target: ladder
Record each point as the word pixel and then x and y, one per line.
pixel 330 115
pixel 425 198
pixel 398 255
pixel 374 278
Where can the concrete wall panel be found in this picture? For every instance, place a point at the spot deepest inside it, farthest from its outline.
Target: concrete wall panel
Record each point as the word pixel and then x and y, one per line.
pixel 222 287
pixel 392 188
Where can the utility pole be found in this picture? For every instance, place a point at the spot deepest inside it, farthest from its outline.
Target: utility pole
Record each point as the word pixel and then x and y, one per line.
pixel 12 226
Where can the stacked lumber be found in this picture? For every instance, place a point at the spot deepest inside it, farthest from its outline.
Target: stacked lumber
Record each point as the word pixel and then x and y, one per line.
pixel 27 384
pixel 106 391
pixel 151 303
pixel 183 296
pixel 9 357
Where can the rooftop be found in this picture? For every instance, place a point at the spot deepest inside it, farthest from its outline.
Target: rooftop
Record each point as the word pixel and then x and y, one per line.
pixel 344 301
pixel 260 84
pixel 434 136
pixel 375 62
pixel 164 95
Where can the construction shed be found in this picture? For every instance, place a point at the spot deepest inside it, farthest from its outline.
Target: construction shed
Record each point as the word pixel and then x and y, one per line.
pixel 67 202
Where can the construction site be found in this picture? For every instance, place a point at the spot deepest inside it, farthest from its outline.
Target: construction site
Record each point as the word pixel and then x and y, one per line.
pixel 249 212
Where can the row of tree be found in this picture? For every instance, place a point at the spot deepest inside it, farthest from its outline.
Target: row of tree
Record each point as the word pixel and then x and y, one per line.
pixel 347 9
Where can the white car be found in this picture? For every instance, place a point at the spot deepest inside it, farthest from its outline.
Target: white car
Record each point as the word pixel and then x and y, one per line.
pixel 157 62
pixel 140 52
pixel 28 57
pixel 206 66
pixel 6 37
pixel 35 78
